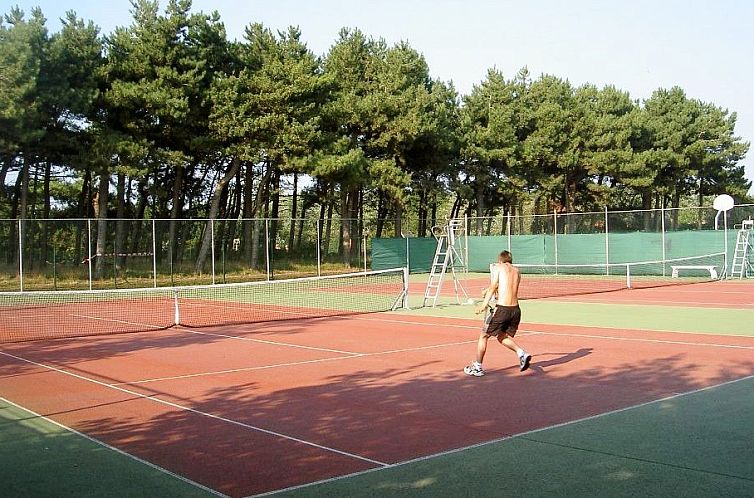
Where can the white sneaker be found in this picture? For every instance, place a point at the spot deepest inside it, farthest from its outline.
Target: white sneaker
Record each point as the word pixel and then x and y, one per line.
pixel 473 370
pixel 524 361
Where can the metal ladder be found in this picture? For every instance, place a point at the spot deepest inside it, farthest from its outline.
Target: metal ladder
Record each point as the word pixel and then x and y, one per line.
pixel 741 266
pixel 447 256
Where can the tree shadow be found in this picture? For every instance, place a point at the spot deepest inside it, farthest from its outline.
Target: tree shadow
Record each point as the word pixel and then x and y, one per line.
pixel 251 432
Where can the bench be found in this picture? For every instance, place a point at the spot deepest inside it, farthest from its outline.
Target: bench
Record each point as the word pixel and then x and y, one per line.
pixel 710 268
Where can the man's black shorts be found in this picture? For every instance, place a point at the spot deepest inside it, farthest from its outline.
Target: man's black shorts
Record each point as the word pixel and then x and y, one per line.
pixel 504 319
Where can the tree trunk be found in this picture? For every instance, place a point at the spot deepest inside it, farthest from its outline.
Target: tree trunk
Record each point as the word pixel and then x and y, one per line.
pixel 294 210
pixel 101 215
pixel 175 211
pixel 217 195
pixel 4 172
pixel 84 196
pixel 248 213
pixel 46 232
pixel 120 225
pixel 260 204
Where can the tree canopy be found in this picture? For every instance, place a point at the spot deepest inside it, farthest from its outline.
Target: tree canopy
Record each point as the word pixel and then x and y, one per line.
pixel 168 118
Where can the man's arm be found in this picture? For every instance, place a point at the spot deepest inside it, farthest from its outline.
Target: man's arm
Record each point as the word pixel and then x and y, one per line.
pixel 488 295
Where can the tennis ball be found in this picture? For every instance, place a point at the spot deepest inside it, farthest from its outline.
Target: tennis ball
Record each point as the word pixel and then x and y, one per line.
pixel 469 301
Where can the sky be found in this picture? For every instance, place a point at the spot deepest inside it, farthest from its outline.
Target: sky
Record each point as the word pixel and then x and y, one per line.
pixel 704 47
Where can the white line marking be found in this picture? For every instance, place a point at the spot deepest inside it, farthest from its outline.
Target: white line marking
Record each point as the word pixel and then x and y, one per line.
pixel 263 341
pixel 291 364
pixel 502 439
pixel 195 411
pixel 103 319
pixel 116 450
pixel 444 325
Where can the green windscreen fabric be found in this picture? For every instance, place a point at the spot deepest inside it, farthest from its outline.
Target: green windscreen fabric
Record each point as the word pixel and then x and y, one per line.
pixel 392 253
pixel 563 249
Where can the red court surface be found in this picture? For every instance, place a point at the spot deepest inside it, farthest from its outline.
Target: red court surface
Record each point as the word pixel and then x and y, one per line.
pixel 255 408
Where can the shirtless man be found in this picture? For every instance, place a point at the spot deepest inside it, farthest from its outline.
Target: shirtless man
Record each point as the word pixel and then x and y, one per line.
pixel 507 315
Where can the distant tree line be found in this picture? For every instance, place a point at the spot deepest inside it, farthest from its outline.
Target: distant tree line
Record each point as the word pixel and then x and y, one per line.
pixel 168 118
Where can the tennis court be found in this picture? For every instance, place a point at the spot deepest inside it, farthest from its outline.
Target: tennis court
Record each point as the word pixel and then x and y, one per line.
pixel 631 392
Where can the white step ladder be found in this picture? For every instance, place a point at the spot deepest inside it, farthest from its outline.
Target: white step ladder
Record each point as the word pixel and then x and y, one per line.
pixel 447 255
pixel 741 266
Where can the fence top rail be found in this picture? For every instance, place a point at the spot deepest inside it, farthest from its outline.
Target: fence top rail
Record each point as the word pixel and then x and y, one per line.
pixel 15 220
pixel 547 215
pixel 602 213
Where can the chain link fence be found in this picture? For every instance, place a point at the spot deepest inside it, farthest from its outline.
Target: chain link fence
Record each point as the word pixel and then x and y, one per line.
pixel 80 254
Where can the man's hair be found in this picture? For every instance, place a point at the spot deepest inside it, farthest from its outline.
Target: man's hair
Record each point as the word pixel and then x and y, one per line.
pixel 506 257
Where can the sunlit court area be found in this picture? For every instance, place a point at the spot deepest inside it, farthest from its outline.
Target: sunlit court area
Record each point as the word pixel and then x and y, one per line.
pixel 426 249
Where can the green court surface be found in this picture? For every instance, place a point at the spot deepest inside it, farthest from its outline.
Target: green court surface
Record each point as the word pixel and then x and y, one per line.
pixel 722 321
pixel 42 459
pixel 694 445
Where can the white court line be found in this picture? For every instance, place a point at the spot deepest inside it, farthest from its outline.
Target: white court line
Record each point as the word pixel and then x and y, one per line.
pixel 419 348
pixel 171 404
pixel 113 448
pixel 502 439
pixel 263 341
pixel 291 364
pixel 103 319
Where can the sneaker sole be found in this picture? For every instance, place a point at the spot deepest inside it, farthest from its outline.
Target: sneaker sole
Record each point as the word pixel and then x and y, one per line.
pixel 473 374
pixel 527 360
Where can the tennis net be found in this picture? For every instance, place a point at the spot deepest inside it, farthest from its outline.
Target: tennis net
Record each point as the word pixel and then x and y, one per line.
pixel 547 280
pixel 26 316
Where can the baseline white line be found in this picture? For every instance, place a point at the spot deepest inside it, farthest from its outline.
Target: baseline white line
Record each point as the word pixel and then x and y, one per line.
pixel 501 439
pixel 195 411
pixel 116 450
pixel 657 341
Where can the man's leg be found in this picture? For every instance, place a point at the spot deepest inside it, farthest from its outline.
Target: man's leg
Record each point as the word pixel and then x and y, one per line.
pixel 524 358
pixel 475 368
pixel 481 347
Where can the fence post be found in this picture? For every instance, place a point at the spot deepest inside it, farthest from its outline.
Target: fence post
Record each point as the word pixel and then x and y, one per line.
pixel 319 250
pixel 21 254
pixel 267 245
pixel 607 245
pixel 509 230
pixel 89 244
pixel 466 241
pixel 662 230
pixel 154 254
pixel 555 238
pixel 212 235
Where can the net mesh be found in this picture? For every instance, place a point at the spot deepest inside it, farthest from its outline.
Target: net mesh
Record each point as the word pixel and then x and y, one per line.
pixel 29 316
pixel 541 281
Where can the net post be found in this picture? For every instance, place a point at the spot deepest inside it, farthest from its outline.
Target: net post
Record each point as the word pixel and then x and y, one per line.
pixel 405 289
pixel 177 309
pixel 628 275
